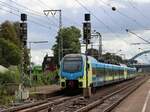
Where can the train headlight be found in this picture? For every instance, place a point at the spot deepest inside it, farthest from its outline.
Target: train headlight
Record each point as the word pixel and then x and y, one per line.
pixel 80 84
pixel 63 84
pixel 81 77
pixel 63 77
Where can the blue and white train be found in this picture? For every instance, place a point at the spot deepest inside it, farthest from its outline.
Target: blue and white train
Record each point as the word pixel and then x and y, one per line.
pixel 73 72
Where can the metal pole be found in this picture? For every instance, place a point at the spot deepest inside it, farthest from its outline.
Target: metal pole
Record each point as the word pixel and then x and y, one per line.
pixel 86 65
pixel 92 49
pixel 60 42
pixel 87 37
pixel 61 39
pixel 100 46
pixel 30 65
pixel 99 49
pixel 30 45
pixel 23 53
pixel 22 69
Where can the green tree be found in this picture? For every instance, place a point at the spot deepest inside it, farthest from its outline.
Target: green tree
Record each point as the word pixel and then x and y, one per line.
pixel 93 52
pixel 71 43
pixel 112 58
pixel 8 32
pixel 10 53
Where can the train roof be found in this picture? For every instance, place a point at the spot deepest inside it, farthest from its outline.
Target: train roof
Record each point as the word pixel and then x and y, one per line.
pixel 98 64
pixel 73 55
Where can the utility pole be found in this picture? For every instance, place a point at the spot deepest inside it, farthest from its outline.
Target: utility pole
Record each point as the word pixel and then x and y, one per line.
pixel 86 39
pixel 60 43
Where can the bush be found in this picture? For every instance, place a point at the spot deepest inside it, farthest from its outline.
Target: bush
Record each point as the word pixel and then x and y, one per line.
pixel 8 77
pixel 26 81
pixel 6 100
pixel 9 81
pixel 10 53
pixel 45 79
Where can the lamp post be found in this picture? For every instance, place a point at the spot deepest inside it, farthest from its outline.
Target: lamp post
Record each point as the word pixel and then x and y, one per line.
pixel 33 42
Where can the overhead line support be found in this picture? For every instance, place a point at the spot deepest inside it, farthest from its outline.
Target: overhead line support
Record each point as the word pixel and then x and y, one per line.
pixel 60 43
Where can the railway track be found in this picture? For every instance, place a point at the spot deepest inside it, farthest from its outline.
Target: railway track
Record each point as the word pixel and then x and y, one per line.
pixel 39 105
pixel 103 101
pixel 103 97
pixel 107 103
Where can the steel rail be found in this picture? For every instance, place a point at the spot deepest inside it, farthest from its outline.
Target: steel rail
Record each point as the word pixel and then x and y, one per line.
pixel 101 101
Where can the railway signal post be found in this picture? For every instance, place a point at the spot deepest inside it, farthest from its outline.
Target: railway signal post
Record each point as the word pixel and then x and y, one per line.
pixel 86 40
pixel 23 38
pixel 20 93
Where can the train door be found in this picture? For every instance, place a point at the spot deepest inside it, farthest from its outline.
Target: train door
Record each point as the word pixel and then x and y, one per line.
pixel 125 73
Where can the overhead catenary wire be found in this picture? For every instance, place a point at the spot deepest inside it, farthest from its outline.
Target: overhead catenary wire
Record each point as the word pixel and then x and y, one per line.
pixel 30 11
pixel 22 6
pixel 125 15
pixel 11 12
pixel 18 10
pixel 42 4
pixel 114 21
pixel 127 30
pixel 138 10
pixel 130 18
pixel 99 20
pixel 69 20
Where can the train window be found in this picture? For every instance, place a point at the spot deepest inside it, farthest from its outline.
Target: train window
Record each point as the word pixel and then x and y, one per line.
pixel 72 64
pixel 118 72
pixel 93 71
pixel 101 71
pixel 98 71
pixel 107 71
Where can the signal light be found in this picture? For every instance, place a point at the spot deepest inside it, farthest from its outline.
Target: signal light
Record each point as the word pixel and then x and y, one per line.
pixel 23 17
pixel 63 84
pixel 87 17
pixel 87 32
pixel 23 33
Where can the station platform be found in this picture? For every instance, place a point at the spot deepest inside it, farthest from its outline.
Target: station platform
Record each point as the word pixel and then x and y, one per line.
pixel 42 92
pixel 138 101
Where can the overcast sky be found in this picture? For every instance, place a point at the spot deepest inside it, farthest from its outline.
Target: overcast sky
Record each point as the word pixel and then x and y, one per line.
pixel 129 14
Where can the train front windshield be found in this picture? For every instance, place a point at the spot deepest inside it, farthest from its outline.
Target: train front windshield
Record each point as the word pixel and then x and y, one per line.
pixel 72 64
